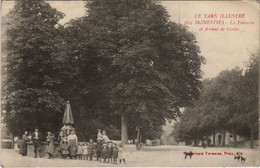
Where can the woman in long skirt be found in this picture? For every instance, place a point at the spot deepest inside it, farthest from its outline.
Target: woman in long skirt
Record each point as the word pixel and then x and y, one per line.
pixel 23 145
pixel 51 148
pixel 72 142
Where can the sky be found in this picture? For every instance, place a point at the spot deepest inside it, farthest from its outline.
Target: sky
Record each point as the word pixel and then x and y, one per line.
pixel 222 49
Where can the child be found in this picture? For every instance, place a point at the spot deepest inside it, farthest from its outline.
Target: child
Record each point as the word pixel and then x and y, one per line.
pixel 90 149
pixel 110 152
pixel 85 151
pixel 121 153
pixel 79 151
pixel 115 153
pixel 104 152
pixel 99 135
pixel 64 148
pixel 94 150
pixel 99 149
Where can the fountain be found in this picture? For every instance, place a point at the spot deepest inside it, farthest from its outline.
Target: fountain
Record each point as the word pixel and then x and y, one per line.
pixel 64 133
pixel 67 120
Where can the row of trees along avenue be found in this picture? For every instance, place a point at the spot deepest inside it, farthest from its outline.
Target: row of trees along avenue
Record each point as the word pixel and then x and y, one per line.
pixel 228 102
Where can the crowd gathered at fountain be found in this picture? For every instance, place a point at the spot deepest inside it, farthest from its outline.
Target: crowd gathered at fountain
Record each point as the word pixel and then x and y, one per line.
pixel 100 149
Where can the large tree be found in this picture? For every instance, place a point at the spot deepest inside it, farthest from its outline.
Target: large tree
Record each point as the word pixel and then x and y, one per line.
pixel 89 77
pixel 250 97
pixel 155 63
pixel 124 60
pixel 34 71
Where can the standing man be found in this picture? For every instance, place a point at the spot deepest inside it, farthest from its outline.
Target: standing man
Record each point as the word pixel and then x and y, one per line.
pixel 36 138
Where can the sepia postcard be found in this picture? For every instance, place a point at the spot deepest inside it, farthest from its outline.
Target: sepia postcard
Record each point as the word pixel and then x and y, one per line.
pixel 129 83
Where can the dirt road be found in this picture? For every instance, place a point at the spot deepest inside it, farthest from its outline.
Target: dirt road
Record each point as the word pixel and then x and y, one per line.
pixel 171 156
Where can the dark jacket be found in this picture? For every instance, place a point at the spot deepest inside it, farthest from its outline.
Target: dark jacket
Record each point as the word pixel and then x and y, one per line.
pixel 110 152
pixel 104 153
pixel 115 152
pixel 99 146
pixel 90 148
pixel 34 136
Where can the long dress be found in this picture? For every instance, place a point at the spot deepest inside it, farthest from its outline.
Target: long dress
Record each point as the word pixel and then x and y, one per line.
pixel 23 145
pixel 73 140
pixel 121 153
pixel 79 150
pixel 51 147
pixel 85 150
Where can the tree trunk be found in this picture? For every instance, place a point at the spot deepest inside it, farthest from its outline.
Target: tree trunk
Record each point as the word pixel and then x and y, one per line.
pixel 12 137
pixel 235 140
pixel 214 138
pixel 195 140
pixel 224 139
pixel 138 146
pixel 252 137
pixel 138 136
pixel 124 136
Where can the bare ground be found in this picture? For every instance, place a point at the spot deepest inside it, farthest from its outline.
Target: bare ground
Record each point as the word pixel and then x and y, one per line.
pixel 170 156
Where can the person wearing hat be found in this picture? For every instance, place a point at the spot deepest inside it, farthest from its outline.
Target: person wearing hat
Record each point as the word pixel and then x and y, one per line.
pixel 23 145
pixel 50 140
pixel 36 138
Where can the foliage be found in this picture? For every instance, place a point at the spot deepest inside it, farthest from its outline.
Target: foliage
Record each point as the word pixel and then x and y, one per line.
pixel 123 57
pixel 145 53
pixel 228 102
pixel 34 71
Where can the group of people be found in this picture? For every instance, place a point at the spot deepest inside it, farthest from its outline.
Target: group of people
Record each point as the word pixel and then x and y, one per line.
pixel 107 150
pixel 69 147
pixel 68 144
pixel 36 138
pixel 103 149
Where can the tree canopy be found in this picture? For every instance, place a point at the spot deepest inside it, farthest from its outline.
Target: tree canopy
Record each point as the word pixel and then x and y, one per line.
pixel 33 70
pixel 122 60
pixel 228 102
pixel 152 65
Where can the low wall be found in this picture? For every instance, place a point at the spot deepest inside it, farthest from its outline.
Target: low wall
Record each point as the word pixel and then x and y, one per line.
pixel 6 144
pixel 44 148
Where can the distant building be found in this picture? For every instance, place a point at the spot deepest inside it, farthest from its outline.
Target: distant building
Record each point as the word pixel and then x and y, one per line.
pixel 229 139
